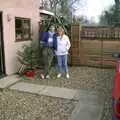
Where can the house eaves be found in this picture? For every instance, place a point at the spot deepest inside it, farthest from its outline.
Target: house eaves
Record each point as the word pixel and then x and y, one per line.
pixel 42 11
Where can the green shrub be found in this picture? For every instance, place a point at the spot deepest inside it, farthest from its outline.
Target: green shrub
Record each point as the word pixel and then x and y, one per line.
pixel 31 57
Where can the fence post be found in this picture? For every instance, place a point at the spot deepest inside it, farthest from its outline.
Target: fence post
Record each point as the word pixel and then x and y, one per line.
pixel 75 44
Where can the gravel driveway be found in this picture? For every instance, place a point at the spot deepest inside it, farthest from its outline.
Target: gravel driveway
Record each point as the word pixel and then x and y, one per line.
pixel 86 78
pixel 23 106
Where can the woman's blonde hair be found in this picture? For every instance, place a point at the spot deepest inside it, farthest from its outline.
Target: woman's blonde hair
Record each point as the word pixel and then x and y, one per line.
pixel 60 29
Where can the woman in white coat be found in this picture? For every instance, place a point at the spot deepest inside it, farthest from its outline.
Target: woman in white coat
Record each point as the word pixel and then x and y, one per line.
pixel 63 46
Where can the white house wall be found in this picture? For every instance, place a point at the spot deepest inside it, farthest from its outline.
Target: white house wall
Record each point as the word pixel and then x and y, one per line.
pixel 17 8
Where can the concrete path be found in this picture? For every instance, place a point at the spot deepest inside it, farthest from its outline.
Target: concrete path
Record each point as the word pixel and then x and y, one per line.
pixel 46 90
pixel 8 80
pixel 89 107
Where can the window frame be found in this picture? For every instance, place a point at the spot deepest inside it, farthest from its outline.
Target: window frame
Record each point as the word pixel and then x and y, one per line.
pixel 22 29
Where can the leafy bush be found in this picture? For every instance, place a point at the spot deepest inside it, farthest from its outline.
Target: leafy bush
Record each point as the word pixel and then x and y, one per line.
pixel 31 57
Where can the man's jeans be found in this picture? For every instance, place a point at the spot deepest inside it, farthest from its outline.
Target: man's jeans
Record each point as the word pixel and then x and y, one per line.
pixel 48 55
pixel 62 63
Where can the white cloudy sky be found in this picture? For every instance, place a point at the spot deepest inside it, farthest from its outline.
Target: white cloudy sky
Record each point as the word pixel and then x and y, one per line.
pixel 93 8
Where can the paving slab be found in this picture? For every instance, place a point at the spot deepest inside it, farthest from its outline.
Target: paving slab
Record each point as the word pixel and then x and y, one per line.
pixel 59 92
pixel 84 111
pixel 45 90
pixel 9 80
pixel 27 87
pixel 89 97
pixel 89 107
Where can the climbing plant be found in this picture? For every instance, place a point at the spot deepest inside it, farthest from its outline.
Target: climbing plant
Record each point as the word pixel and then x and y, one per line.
pixel 57 21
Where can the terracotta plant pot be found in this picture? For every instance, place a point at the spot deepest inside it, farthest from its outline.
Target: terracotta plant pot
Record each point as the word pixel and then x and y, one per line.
pixel 30 74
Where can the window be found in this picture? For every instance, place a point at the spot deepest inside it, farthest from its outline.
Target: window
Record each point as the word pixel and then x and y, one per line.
pixel 22 29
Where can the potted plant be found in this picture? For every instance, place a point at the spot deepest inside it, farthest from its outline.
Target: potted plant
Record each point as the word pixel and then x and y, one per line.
pixel 26 57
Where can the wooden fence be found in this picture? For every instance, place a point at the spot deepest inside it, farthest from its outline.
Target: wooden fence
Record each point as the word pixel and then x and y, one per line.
pixel 94 46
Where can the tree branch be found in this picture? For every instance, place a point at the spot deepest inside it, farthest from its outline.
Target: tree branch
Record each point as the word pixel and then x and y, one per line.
pixel 74 1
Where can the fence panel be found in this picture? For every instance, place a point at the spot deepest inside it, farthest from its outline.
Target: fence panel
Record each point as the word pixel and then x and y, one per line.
pixel 94 46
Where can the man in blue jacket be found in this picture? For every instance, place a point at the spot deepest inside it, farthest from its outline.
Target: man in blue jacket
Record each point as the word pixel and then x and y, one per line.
pixel 49 43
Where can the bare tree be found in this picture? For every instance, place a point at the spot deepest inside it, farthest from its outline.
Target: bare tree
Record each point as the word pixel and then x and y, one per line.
pixel 117 4
pixel 53 4
pixel 65 8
